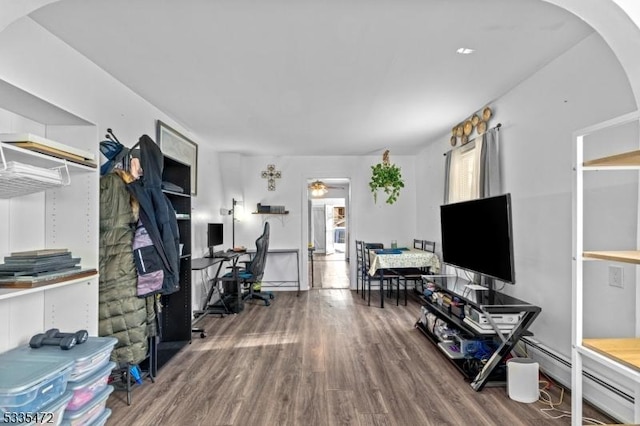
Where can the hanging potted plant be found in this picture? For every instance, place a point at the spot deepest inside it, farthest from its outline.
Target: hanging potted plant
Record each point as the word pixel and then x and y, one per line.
pixel 386 176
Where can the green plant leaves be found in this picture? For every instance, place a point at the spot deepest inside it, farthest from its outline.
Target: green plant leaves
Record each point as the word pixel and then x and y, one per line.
pixel 387 177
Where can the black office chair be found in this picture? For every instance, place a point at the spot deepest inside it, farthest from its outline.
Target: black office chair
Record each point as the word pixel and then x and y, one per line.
pixel 251 275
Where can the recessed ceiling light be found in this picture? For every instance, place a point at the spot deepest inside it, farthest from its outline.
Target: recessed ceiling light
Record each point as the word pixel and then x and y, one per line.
pixel 465 51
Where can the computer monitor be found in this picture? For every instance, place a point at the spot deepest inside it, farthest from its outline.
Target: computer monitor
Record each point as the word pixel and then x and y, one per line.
pixel 215 236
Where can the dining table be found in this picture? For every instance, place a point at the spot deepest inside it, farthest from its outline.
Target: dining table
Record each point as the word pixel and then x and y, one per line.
pixel 387 259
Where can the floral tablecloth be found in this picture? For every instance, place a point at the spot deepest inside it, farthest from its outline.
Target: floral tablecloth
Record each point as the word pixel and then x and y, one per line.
pixel 412 258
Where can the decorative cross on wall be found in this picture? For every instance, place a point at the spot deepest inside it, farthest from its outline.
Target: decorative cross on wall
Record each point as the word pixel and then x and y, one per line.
pixel 271 174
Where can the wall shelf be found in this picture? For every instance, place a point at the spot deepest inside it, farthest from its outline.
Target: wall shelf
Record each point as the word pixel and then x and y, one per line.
pixel 621 355
pixel 63 213
pixel 615 256
pixel 625 351
pixel 8 293
pixel 285 212
pixel 627 159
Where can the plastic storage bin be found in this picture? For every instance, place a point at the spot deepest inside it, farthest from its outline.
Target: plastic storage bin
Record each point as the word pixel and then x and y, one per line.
pixel 54 411
pixel 87 357
pixel 50 414
pixel 102 419
pixel 90 412
pixel 85 390
pixel 26 385
pixel 468 345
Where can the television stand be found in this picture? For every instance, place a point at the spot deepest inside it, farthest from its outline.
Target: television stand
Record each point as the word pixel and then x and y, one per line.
pixel 488 325
pixel 476 287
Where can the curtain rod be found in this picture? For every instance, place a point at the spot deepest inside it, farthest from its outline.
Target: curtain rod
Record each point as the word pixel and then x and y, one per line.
pixel 497 127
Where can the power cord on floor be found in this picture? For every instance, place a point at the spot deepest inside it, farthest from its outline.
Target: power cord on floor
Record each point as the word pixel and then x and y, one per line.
pixel 545 398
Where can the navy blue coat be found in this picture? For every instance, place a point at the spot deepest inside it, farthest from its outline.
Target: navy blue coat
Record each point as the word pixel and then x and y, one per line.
pixel 157 213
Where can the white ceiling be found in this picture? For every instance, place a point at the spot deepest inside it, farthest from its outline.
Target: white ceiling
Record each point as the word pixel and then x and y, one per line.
pixel 309 77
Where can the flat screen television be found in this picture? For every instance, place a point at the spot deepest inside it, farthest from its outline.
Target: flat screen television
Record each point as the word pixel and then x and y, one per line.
pixel 477 236
pixel 215 236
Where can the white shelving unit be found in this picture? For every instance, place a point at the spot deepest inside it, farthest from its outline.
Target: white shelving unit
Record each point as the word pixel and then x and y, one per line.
pixel 59 215
pixel 621 355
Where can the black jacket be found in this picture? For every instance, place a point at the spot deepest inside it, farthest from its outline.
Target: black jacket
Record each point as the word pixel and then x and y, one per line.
pixel 157 213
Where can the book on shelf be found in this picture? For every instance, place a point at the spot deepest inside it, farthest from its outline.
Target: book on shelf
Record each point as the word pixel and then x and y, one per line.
pixel 38 262
pixel 45 279
pixel 39 252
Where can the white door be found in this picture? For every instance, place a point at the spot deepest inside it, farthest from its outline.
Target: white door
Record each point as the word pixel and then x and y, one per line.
pixel 317 228
pixel 328 217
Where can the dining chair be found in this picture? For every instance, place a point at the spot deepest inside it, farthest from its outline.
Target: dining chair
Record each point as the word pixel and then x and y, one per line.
pixel 387 274
pixel 429 246
pixel 415 274
pixel 359 266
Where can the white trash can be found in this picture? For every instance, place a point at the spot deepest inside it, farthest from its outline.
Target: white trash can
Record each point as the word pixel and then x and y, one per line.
pixel 522 380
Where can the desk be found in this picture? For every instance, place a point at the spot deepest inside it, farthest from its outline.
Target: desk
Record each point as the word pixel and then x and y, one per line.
pixel 202 264
pixel 411 258
pixel 285 251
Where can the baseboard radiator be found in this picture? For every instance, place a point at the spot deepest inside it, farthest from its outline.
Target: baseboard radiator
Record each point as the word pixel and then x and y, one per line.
pixel 613 395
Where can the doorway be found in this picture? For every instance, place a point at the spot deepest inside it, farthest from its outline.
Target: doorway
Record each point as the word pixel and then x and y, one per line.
pixel 329 232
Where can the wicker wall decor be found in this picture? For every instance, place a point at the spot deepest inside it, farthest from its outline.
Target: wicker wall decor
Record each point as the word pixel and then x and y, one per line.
pixel 478 122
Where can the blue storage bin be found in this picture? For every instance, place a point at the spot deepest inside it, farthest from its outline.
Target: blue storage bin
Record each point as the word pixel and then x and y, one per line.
pixel 87 357
pixel 27 385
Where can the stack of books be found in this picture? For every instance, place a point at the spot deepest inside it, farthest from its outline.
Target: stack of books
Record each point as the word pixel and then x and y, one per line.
pixel 38 267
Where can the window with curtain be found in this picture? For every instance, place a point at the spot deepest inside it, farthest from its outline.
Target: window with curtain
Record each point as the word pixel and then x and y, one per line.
pixel 464 173
pixel 473 170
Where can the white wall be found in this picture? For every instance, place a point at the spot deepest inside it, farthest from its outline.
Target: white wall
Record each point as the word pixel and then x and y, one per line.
pixel 369 221
pixel 583 86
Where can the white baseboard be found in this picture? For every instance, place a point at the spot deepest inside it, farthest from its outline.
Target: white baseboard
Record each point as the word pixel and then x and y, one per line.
pixel 611 395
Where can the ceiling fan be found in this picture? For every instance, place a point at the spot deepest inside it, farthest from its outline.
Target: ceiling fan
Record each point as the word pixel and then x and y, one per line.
pixel 319 188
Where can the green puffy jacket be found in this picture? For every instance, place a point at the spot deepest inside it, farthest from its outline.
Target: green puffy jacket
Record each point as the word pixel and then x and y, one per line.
pixel 123 315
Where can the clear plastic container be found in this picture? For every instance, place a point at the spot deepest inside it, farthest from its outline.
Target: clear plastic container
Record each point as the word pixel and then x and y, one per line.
pixel 26 385
pixel 85 390
pixel 90 412
pixel 50 414
pixel 87 357
pixel 102 419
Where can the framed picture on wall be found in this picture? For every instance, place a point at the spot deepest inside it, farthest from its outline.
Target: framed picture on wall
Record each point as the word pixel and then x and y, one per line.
pixel 177 146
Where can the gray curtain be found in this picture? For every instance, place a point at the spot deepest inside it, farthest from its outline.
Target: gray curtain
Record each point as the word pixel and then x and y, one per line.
pixel 490 180
pixel 447 173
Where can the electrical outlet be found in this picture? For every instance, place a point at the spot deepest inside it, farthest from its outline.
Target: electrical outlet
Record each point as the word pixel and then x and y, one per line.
pixel 616 276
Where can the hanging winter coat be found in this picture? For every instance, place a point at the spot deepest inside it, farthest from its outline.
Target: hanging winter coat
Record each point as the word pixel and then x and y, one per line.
pixel 156 212
pixel 121 313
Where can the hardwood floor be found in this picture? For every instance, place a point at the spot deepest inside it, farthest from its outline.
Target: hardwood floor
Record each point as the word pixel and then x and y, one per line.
pixel 323 358
pixel 330 271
